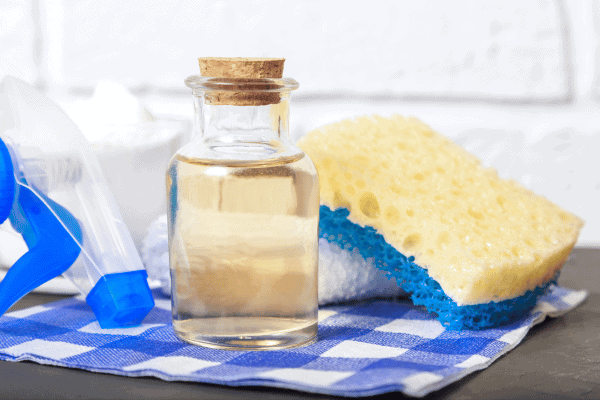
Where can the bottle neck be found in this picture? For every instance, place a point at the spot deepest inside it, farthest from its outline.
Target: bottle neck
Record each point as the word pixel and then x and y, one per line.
pixel 217 122
pixel 243 131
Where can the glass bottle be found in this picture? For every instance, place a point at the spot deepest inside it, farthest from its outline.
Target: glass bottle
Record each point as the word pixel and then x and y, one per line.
pixel 243 208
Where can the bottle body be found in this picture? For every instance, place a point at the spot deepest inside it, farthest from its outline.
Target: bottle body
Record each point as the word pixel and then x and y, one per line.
pixel 243 234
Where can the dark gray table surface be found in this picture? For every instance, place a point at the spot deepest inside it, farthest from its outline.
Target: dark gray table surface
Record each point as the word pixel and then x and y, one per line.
pixel 559 359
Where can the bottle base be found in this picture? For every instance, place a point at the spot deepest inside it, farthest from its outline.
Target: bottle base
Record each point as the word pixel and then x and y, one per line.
pixel 237 338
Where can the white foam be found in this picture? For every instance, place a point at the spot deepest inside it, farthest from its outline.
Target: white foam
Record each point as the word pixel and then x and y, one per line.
pixel 345 275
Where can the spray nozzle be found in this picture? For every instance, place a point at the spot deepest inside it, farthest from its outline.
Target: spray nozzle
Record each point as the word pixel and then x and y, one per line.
pixel 54 194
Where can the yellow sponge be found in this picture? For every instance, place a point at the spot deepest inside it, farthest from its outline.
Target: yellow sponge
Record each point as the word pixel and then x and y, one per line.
pixel 482 238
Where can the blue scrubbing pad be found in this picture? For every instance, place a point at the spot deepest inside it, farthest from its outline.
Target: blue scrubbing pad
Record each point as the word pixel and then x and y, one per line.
pixel 335 227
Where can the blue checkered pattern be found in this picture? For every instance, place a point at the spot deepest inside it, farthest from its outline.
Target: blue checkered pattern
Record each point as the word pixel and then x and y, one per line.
pixel 363 349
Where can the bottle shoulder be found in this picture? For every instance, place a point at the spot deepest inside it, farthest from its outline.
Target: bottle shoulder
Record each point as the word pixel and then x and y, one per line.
pixel 242 154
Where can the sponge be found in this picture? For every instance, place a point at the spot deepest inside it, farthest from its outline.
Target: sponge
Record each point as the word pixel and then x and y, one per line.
pixel 475 249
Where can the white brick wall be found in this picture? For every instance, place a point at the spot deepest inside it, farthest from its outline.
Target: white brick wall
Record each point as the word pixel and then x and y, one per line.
pixel 508 50
pixel 17 40
pixel 593 35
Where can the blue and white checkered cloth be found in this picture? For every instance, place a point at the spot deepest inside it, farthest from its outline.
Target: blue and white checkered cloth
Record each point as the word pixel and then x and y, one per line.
pixel 363 349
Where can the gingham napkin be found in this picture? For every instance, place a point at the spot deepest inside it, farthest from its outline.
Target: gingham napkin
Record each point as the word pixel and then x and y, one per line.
pixel 363 349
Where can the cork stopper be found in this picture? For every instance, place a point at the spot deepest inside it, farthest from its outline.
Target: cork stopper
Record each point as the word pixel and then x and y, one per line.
pixel 244 71
pixel 238 67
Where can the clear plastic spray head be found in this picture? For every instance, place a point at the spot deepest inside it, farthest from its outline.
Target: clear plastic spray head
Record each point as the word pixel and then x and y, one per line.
pixel 55 196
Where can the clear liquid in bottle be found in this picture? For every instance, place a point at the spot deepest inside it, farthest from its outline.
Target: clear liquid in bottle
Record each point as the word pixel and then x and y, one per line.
pixel 243 251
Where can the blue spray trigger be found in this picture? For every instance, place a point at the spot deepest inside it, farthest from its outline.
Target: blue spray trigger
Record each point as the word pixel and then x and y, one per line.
pixel 52 249
pixel 7 182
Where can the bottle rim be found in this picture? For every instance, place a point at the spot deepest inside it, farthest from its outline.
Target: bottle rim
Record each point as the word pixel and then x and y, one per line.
pixel 210 84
